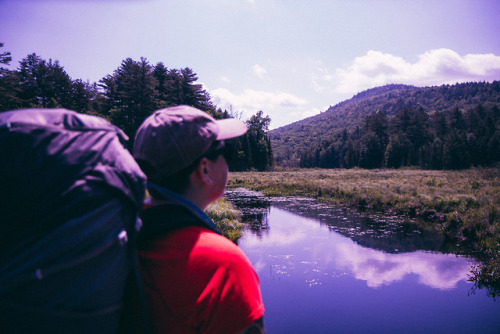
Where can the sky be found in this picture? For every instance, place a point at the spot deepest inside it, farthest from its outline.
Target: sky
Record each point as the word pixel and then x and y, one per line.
pixel 289 58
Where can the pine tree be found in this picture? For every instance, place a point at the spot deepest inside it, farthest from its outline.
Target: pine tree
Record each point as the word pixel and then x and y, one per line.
pixel 130 94
pixel 374 140
pixel 393 156
pixel 43 84
pixel 9 88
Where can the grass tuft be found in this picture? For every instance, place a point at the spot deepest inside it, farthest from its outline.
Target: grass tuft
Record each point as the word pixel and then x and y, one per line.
pixel 227 219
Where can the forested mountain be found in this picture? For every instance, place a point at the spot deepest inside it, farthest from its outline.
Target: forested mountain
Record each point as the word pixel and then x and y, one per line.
pixel 450 126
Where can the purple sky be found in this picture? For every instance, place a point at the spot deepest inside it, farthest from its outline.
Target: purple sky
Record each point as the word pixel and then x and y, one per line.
pixel 288 58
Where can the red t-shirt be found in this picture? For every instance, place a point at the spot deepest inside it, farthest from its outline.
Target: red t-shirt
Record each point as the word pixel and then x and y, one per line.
pixel 199 282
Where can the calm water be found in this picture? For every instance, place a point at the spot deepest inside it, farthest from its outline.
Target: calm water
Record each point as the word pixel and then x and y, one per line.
pixel 332 270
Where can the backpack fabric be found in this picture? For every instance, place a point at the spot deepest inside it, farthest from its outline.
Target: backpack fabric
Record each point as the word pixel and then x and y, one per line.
pixel 70 194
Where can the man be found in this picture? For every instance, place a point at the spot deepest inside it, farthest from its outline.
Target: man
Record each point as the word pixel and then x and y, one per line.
pixel 196 280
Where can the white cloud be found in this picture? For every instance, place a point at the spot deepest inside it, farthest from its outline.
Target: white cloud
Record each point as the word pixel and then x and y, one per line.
pixel 255 100
pixel 282 107
pixel 321 79
pixel 435 67
pixel 259 71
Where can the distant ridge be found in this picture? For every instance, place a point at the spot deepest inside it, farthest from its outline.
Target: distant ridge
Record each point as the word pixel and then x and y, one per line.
pixel 288 141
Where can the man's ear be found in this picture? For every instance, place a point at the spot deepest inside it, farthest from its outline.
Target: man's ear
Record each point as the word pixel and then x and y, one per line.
pixel 204 170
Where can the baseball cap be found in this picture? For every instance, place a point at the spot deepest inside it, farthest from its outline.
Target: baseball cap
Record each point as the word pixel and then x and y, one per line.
pixel 173 138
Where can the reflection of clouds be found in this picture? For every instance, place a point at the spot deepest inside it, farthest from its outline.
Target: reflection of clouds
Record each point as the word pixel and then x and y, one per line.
pixel 285 234
pixel 277 239
pixel 301 248
pixel 259 265
pixel 439 271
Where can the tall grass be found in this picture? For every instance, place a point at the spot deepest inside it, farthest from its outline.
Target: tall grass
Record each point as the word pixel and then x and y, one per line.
pixel 432 195
pixel 226 218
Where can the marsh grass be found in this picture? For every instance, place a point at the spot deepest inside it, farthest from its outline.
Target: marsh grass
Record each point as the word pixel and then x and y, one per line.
pixel 226 218
pixel 464 205
pixel 431 195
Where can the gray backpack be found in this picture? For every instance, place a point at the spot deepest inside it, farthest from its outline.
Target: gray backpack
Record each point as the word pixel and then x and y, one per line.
pixel 70 197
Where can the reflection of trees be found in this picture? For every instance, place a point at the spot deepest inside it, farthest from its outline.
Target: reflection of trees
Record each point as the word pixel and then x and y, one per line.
pixel 387 233
pixel 254 208
pixel 479 276
pixel 258 222
pixel 392 236
pixel 485 274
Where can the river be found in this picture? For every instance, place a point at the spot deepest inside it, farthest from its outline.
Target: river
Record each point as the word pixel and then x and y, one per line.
pixel 333 270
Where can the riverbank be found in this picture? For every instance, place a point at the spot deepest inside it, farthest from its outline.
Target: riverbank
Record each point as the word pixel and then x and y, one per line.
pixel 463 205
pixel 227 218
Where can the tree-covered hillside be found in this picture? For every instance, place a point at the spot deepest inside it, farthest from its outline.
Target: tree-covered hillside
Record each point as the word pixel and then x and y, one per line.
pixel 345 124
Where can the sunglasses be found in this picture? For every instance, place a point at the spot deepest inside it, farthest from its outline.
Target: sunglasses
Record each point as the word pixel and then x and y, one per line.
pixel 219 148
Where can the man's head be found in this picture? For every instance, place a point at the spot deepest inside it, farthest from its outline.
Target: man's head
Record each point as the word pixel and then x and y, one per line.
pixel 172 142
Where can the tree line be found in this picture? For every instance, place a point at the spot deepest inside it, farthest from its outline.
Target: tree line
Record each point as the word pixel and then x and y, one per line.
pixel 441 140
pixel 125 98
pixel 289 141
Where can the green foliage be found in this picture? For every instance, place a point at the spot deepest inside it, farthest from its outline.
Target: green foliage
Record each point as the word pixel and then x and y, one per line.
pixel 422 129
pixel 8 83
pixel 5 57
pixel 253 150
pixel 227 219
pixel 43 84
pixel 129 95
pixel 453 140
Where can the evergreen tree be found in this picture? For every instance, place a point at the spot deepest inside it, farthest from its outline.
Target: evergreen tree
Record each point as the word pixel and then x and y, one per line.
pixel 80 96
pixel 393 156
pixel 439 124
pixel 163 85
pixel 253 150
pixel 193 93
pixel 43 84
pixel 5 57
pixel 130 94
pixel 373 140
pixel 9 88
pixel 455 152
pixel 436 154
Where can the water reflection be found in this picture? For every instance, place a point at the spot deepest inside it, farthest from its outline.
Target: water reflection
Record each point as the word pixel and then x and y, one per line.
pixel 377 250
pixel 325 270
pixel 440 271
pixel 254 208
pixel 301 247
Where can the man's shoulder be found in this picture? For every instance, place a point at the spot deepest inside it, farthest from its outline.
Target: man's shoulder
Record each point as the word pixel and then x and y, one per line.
pixel 210 239
pixel 212 247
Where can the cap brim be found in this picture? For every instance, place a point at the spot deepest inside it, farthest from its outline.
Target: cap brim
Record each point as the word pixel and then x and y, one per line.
pixel 230 128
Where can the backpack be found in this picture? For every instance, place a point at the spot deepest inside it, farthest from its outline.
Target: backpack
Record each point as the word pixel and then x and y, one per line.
pixel 70 194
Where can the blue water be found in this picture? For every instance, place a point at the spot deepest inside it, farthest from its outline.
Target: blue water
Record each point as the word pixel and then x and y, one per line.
pixel 318 275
